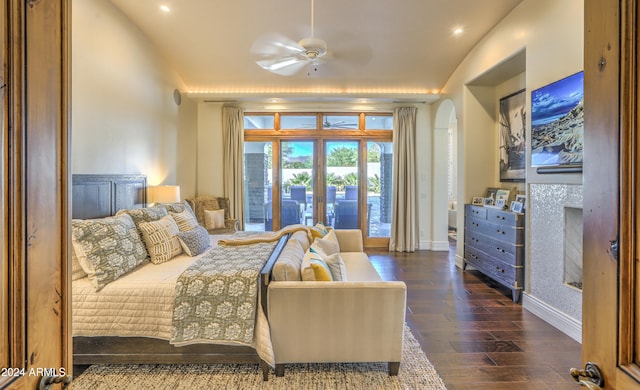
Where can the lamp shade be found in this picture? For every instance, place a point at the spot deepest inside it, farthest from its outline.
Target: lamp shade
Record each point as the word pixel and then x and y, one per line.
pixel 164 194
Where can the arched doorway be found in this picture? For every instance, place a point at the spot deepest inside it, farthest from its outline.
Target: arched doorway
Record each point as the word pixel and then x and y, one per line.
pixel 445 189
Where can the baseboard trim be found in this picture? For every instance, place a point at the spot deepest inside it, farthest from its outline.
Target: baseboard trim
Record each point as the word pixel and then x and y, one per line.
pixel 440 246
pixel 460 262
pixel 554 317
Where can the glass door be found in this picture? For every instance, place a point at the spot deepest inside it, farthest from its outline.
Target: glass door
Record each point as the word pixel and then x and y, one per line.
pixel 342 196
pixel 297 182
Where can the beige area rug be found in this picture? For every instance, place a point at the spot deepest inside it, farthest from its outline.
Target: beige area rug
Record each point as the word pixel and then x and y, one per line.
pixel 416 372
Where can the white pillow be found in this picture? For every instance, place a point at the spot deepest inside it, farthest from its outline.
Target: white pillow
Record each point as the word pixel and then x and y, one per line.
pixel 214 219
pixel 76 269
pixel 161 239
pixel 329 243
pixel 337 267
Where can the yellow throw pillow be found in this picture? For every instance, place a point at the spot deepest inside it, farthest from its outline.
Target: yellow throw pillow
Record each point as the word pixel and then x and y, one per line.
pixel 314 268
pixel 318 231
pixel 321 271
pixel 214 219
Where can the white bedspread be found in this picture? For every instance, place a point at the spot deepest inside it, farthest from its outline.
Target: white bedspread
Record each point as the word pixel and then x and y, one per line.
pixel 140 304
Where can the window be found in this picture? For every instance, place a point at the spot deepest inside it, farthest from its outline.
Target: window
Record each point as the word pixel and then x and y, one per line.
pixel 310 167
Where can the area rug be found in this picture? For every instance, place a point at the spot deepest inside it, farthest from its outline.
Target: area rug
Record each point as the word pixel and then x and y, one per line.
pixel 416 372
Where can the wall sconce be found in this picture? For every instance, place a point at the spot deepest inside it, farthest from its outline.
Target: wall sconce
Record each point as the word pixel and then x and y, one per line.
pixel 164 194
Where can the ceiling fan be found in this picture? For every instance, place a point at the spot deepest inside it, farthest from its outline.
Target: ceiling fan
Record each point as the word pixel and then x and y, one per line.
pixel 281 55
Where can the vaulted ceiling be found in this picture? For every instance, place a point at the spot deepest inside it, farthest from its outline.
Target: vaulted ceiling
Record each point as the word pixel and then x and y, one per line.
pixel 377 48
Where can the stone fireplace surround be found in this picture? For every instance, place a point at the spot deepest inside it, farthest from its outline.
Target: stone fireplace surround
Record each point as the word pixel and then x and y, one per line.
pixel 551 238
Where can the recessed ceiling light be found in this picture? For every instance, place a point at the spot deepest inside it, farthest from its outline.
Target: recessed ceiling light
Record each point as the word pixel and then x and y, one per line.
pixel 165 8
pixel 458 31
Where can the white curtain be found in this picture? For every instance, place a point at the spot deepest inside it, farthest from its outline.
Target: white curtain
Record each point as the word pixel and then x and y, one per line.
pixel 403 207
pixel 233 161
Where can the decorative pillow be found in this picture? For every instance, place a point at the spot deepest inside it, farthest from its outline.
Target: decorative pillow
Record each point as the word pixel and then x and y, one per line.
pixel 337 267
pixel 194 241
pixel 185 220
pixel 318 231
pixel 329 243
pixel 160 237
pixel 107 248
pixel 289 263
pixel 147 214
pixel 214 219
pixel 176 207
pixel 314 268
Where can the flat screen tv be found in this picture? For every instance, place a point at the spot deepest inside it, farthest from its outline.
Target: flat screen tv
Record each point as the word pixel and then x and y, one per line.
pixel 557 123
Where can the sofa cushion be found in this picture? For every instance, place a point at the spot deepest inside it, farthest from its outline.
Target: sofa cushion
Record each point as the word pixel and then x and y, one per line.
pixel 314 268
pixel 359 267
pixel 303 238
pixel 289 263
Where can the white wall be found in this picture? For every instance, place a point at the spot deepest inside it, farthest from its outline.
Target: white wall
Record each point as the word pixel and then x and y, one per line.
pixel 124 118
pixel 549 36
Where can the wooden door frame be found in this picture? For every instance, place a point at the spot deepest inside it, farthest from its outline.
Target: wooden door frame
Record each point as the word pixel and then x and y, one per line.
pixel 36 200
pixel 610 192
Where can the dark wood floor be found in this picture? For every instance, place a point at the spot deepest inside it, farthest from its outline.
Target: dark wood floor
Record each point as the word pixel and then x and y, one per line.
pixel 471 330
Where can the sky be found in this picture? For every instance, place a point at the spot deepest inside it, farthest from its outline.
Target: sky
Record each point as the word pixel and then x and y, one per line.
pixel 305 148
pixel 555 100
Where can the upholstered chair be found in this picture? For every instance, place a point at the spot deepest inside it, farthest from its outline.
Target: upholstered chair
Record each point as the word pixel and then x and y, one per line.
pixel 209 211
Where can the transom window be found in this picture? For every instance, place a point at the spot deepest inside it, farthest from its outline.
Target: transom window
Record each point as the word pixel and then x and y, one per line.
pixel 304 168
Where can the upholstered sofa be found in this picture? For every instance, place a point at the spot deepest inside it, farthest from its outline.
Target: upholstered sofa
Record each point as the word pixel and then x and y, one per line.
pixel 358 319
pixel 206 203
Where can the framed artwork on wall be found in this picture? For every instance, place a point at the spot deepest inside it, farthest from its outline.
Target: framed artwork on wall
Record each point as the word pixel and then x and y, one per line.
pixel 512 149
pixel 557 125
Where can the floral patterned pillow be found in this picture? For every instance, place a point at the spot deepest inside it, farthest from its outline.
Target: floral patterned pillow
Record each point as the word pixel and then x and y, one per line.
pixel 107 248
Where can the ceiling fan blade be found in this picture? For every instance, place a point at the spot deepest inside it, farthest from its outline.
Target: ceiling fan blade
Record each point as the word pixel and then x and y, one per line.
pixel 273 44
pixel 285 66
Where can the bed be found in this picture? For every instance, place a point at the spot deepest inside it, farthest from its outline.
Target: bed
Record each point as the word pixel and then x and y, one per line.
pixel 135 310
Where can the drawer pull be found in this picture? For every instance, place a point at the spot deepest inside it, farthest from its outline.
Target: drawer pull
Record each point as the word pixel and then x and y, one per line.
pixel 500 250
pixel 499 217
pixel 500 231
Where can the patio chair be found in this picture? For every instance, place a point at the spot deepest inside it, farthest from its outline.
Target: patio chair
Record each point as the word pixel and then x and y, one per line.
pixel 290 214
pixel 351 192
pixel 346 215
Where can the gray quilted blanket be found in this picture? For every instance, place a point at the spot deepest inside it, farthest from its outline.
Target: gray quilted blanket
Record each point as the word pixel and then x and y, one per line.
pixel 217 296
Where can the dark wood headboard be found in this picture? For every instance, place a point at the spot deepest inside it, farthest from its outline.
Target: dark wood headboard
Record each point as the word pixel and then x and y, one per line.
pixel 98 196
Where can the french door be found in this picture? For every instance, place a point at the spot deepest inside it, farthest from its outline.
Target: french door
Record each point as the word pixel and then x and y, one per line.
pixel 341 181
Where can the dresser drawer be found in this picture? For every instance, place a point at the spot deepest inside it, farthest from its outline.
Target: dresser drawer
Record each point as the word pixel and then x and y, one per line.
pixel 504 251
pixel 496 231
pixel 471 210
pixel 504 217
pixel 504 273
